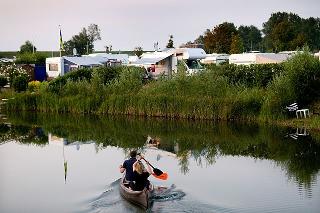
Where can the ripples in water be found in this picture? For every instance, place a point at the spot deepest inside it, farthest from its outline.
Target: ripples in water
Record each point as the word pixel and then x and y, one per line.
pixel 164 199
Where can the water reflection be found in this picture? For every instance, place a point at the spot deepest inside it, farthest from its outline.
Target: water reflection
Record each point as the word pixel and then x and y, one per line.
pixel 203 142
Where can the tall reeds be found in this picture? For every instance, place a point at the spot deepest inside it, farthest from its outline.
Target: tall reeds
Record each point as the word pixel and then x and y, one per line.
pixel 219 92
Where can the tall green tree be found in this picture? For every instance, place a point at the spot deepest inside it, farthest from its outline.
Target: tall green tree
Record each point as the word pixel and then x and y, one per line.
pixel 219 39
pixel 170 42
pixel 284 31
pixel 311 31
pixel 84 41
pixel 236 44
pixel 27 47
pixel 251 37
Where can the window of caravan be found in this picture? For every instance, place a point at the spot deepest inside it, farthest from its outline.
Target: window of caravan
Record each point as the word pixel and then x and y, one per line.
pixel 193 64
pixel 53 67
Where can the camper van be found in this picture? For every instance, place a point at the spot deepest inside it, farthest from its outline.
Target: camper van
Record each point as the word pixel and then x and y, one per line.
pixel 190 57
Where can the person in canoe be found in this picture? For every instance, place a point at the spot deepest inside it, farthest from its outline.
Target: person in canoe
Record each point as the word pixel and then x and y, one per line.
pixel 127 166
pixel 141 175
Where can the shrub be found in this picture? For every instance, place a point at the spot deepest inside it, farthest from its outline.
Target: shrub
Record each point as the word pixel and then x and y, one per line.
pixel 34 86
pixel 79 75
pixel 20 83
pixel 303 73
pixel 3 81
pixel 31 58
pixel 107 74
pixel 11 71
pixel 128 82
pixel 255 75
pixel 57 84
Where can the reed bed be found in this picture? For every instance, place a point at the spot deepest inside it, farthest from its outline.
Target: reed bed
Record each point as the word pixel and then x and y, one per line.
pixel 218 93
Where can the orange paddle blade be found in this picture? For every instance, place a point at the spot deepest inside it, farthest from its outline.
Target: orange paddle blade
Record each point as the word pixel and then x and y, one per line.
pixel 163 176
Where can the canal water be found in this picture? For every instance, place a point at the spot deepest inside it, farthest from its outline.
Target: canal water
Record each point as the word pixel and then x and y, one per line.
pixel 61 163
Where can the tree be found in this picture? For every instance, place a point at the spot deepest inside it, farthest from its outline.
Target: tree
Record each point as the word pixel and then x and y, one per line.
pixel 83 42
pixel 236 44
pixel 170 42
pixel 31 58
pixel 219 39
pixel 27 47
pixel 251 37
pixel 284 31
pixel 138 51
pixel 311 30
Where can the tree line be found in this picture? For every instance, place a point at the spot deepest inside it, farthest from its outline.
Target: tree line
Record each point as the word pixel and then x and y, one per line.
pixel 282 32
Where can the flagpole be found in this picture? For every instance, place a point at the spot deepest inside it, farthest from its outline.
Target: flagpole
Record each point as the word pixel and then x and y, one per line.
pixel 60 39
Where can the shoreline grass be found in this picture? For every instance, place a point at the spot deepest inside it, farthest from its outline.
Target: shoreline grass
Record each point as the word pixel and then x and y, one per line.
pixel 243 93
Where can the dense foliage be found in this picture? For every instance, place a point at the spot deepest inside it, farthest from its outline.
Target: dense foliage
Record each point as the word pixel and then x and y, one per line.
pixel 3 81
pixel 12 71
pixel 287 31
pixel 282 32
pixel 31 58
pixel 28 47
pixel 20 83
pixel 219 92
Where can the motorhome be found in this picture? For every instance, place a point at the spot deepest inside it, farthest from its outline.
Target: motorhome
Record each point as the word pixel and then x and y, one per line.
pixel 190 57
pixel 156 63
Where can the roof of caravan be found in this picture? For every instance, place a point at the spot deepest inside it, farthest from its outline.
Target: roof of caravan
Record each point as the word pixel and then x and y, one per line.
pixel 191 53
pixel 84 61
pixel 258 57
pixel 152 58
pixel 107 56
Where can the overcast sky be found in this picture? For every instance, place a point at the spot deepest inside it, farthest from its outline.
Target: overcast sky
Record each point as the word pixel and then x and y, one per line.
pixel 129 23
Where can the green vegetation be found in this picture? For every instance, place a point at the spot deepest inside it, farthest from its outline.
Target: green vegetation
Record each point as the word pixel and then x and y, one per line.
pixel 281 32
pixel 3 81
pixel 28 47
pixel 31 58
pixel 12 71
pixel 228 92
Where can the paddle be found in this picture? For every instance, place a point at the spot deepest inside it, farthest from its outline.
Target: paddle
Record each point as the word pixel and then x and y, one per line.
pixel 157 172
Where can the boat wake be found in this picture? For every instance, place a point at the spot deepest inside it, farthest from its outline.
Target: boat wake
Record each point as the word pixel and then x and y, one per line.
pixel 162 194
pixel 164 199
pixel 111 201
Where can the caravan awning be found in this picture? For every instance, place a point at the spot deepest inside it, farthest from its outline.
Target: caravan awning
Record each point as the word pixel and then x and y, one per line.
pixel 149 60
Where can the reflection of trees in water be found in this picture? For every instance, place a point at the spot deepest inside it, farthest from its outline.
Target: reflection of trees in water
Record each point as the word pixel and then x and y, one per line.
pixel 23 134
pixel 202 141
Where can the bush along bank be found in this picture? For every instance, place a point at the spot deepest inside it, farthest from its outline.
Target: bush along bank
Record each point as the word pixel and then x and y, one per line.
pixel 225 92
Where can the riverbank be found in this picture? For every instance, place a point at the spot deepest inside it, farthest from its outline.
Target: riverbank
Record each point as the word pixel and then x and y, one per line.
pixel 256 93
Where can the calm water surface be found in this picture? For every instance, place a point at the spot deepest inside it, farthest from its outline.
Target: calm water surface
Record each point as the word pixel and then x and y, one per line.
pixel 70 164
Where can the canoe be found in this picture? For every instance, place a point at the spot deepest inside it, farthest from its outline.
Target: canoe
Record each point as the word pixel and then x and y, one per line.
pixel 139 198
